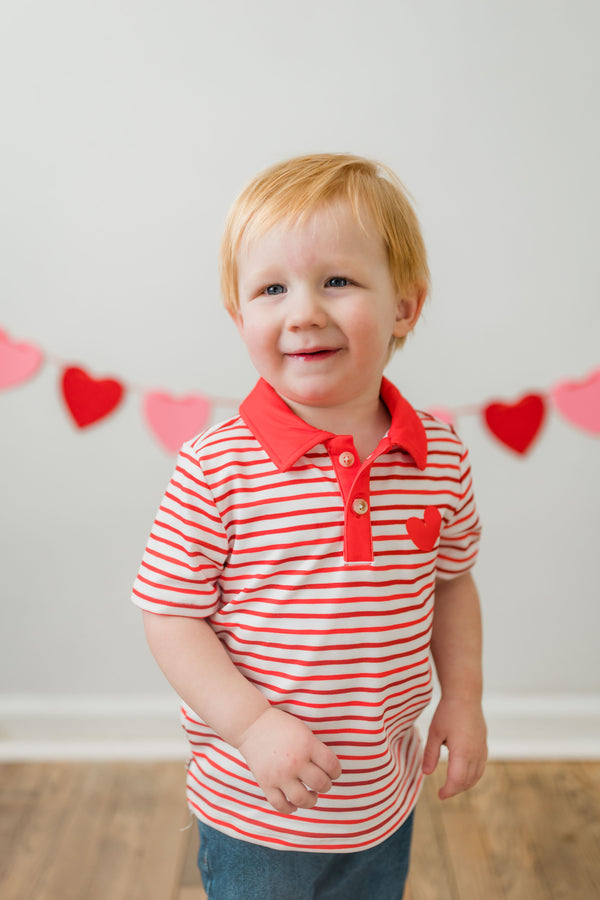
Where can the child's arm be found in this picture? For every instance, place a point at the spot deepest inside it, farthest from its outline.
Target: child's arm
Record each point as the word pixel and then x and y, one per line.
pixel 290 764
pixel 458 720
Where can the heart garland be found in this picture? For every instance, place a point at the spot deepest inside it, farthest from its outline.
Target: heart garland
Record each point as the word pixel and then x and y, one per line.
pixel 18 362
pixel 579 402
pixel 174 420
pixel 89 399
pixel 516 424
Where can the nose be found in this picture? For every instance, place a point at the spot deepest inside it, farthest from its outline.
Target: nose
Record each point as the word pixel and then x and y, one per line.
pixel 306 310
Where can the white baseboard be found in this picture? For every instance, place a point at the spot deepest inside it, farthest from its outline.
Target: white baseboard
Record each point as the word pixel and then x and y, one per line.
pixel 536 726
pixel 37 727
pixel 72 727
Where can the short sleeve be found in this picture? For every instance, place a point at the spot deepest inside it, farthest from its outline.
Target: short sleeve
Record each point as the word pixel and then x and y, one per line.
pixel 461 529
pixel 186 550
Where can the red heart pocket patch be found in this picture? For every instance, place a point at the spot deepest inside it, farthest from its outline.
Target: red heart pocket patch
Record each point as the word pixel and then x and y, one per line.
pixel 516 424
pixel 89 399
pixel 425 532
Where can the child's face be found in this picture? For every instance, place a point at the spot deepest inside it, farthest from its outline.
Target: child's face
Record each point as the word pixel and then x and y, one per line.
pixel 318 309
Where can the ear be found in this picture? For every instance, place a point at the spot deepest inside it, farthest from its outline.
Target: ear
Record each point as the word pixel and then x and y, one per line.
pixel 408 309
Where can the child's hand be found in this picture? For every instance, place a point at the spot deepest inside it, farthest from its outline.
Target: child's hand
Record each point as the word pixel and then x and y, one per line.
pixel 290 764
pixel 459 724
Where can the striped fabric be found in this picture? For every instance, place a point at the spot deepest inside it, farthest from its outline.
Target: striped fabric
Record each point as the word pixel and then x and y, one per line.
pixel 318 575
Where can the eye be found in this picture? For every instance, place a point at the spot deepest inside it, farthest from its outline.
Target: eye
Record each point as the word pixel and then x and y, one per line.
pixel 273 289
pixel 337 281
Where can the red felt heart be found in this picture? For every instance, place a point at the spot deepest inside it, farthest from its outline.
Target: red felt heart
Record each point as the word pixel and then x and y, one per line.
pixel 425 532
pixel 87 398
pixel 516 424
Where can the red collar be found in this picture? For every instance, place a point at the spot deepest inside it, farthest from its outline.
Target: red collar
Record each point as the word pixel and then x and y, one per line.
pixel 286 437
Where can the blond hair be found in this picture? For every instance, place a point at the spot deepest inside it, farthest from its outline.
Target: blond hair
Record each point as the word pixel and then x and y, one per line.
pixel 294 189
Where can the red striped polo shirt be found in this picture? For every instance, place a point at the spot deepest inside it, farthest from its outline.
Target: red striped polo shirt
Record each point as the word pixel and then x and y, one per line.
pixel 317 572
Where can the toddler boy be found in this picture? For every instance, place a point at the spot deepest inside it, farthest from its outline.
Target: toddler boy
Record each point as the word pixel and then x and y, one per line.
pixel 289 581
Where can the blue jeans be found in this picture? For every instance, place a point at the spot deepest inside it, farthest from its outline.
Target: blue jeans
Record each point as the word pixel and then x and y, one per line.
pixel 237 870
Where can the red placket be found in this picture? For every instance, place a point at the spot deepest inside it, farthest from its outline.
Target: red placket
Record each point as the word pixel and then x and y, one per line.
pixel 354 479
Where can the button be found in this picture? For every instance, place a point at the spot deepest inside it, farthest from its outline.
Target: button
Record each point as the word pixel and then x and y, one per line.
pixel 360 506
pixel 347 459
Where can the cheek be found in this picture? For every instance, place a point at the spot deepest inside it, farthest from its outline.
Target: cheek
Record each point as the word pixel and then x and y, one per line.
pixel 257 334
pixel 372 326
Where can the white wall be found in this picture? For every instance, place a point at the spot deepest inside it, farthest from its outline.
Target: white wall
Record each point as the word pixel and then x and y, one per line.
pixel 127 129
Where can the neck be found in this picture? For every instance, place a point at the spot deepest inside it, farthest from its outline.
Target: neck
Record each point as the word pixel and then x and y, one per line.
pixel 367 426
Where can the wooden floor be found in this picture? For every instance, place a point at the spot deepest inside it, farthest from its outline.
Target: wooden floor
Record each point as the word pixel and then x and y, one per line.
pixel 117 831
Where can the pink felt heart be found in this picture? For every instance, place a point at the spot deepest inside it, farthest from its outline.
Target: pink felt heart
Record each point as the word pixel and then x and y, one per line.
pixel 425 532
pixel 442 413
pixel 18 362
pixel 89 399
pixel 516 424
pixel 579 402
pixel 173 420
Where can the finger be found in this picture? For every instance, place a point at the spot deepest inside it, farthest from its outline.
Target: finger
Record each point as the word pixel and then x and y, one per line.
pixel 431 754
pixel 299 795
pixel 462 774
pixel 315 779
pixel 475 772
pixel 478 770
pixel 279 801
pixel 456 777
pixel 324 758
